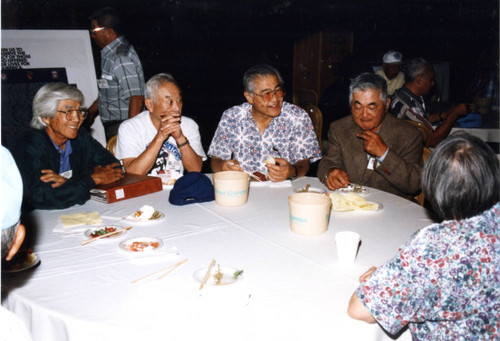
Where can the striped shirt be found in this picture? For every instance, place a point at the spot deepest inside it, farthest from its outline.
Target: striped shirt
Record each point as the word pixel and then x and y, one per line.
pixel 122 77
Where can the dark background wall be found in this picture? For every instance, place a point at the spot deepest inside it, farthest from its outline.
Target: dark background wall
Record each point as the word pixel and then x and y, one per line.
pixel 208 44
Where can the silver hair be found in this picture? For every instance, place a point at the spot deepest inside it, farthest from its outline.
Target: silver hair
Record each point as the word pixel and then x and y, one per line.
pixel 417 67
pixel 154 83
pixel 47 100
pixel 256 71
pixel 368 81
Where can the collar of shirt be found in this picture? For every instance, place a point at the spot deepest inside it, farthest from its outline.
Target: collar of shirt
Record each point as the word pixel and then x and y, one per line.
pixel 64 154
pixel 112 46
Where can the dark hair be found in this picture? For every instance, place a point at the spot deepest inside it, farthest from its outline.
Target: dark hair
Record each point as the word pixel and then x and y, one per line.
pixel 368 81
pixel 461 178
pixel 259 71
pixel 107 17
pixel 417 67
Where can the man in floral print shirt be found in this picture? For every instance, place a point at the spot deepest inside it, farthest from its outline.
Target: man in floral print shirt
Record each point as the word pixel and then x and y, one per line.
pixel 265 126
pixel 445 282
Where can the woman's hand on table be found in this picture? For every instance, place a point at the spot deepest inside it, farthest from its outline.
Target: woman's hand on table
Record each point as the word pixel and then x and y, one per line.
pixel 49 176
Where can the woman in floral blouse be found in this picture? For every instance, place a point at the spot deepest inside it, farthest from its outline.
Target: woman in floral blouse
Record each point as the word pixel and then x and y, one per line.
pixel 444 282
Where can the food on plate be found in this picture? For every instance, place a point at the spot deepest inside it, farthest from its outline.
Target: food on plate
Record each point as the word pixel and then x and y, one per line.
pixel 261 176
pixel 146 212
pixel 221 278
pixel 270 160
pixel 218 276
pixel 237 274
pixel 103 231
pixel 354 188
pixel 350 202
pixel 22 260
pixel 141 246
pixel 169 182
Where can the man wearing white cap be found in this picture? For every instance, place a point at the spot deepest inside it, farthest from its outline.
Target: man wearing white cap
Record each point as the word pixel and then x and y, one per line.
pixel 391 71
pixel 12 237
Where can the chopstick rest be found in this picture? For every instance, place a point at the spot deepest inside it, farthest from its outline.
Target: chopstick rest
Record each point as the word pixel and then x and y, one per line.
pixel 105 235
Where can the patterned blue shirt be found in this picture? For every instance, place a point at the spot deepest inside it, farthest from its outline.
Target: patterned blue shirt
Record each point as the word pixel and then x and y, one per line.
pixel 289 136
pixel 444 283
pixel 122 77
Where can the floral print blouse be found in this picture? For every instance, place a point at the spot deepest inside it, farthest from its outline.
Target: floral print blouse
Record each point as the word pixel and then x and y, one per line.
pixel 444 283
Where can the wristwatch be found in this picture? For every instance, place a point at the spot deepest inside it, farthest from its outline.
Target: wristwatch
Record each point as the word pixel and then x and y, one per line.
pixel 296 172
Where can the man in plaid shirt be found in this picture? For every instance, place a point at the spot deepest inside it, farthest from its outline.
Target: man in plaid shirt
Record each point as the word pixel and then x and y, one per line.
pixel 121 86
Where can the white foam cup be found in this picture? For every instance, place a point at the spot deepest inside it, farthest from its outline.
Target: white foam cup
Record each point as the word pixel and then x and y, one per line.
pixel 347 246
pixel 231 188
pixel 309 212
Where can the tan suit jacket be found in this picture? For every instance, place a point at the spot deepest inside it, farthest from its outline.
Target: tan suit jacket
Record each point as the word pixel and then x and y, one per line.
pixel 401 169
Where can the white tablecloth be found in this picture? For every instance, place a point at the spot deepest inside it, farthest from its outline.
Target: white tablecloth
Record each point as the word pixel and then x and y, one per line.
pixel 292 287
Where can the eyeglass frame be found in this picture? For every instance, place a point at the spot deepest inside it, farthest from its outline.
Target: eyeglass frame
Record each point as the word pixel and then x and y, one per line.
pixel 81 113
pixel 273 92
pixel 97 29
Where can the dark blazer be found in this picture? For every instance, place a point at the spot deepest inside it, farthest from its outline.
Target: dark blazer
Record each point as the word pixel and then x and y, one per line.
pixel 37 152
pixel 401 169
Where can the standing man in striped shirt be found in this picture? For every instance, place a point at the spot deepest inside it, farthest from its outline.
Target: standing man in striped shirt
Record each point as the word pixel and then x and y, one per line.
pixel 121 86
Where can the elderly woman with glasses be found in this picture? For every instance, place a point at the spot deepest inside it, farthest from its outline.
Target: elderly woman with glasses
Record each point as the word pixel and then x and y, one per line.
pixel 444 284
pixel 60 163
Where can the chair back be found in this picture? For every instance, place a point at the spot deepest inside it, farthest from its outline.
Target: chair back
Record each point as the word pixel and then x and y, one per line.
pixel 425 154
pixel 111 145
pixel 426 132
pixel 317 120
pixel 305 96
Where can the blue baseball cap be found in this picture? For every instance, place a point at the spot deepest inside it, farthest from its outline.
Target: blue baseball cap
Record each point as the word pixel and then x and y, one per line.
pixel 193 187
pixel 12 190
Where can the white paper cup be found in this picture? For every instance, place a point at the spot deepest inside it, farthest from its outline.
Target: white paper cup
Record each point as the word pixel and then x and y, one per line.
pixel 309 212
pixel 347 246
pixel 231 188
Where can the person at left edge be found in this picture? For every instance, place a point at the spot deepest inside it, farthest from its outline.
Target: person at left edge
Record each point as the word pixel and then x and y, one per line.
pixel 121 87
pixel 13 233
pixel 58 162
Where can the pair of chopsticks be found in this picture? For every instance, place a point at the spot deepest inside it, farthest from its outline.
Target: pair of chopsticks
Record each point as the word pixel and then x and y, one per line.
pixel 169 268
pixel 254 176
pixel 105 235
pixel 207 275
pixel 251 175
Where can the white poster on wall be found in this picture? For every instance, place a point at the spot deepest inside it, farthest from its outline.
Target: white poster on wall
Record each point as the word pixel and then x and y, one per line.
pixel 71 49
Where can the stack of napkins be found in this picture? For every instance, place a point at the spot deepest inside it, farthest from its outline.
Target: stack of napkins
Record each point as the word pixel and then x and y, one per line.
pixel 350 202
pixel 78 219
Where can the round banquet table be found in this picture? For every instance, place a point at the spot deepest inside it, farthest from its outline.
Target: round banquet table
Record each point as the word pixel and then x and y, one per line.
pixel 292 287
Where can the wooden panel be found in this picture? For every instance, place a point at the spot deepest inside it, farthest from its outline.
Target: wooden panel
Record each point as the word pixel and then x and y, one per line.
pixel 314 56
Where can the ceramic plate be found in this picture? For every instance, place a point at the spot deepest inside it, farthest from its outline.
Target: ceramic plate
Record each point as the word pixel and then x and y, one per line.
pixel 226 278
pixel 23 260
pixel 141 245
pixel 350 188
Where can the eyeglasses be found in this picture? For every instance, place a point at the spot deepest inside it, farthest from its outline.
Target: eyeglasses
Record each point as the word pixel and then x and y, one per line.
pixel 97 29
pixel 268 95
pixel 80 113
